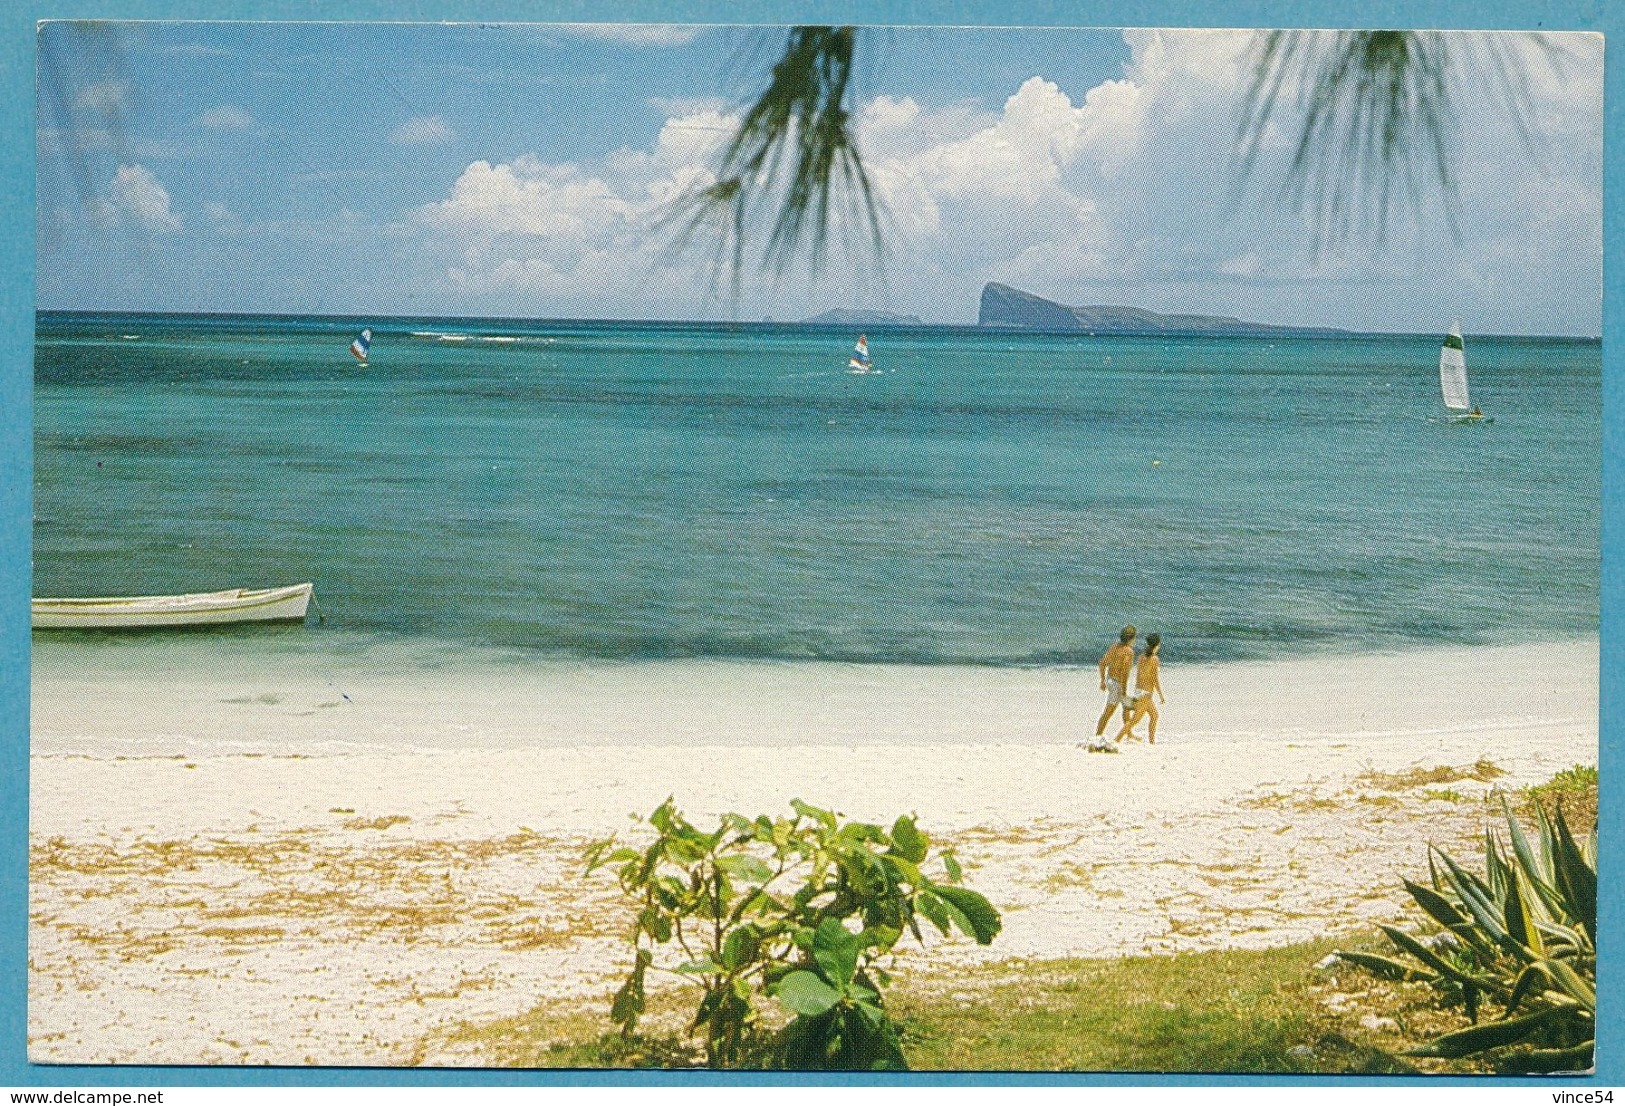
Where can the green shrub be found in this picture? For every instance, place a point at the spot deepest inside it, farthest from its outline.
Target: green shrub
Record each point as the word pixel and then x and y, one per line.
pixel 801 910
pixel 1522 936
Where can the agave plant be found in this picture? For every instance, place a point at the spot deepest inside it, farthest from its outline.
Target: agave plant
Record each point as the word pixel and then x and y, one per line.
pixel 1521 936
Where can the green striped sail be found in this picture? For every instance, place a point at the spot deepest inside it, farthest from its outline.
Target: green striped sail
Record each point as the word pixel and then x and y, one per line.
pixel 1453 371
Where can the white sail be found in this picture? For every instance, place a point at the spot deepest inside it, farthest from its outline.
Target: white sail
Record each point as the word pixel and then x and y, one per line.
pixel 1453 371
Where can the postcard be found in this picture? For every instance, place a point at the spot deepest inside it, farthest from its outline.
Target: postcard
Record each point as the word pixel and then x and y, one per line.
pixel 815 548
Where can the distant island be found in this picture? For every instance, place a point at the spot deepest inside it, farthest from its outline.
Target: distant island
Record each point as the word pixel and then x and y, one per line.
pixel 843 316
pixel 1007 308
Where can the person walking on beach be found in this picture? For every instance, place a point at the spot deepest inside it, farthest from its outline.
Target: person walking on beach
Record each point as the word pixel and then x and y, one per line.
pixel 1115 665
pixel 1147 683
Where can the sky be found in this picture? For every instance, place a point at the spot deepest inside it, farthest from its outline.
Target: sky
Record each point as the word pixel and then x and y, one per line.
pixel 534 171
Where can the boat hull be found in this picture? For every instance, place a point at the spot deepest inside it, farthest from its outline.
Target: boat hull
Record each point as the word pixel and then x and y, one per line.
pixel 217 608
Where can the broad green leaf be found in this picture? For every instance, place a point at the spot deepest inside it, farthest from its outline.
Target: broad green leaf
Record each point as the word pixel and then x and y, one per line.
pixel 907 840
pixel 881 938
pixel 651 860
pixel 835 950
pixel 702 965
pixel 951 863
pixel 746 867
pixel 903 871
pixel 975 915
pixel 934 909
pixel 822 817
pixel 860 833
pixel 594 853
pixel 740 947
pixel 660 927
pixel 707 1009
pixel 686 849
pixel 802 992
pixel 758 902
pixel 670 892
pixel 862 870
pixel 662 818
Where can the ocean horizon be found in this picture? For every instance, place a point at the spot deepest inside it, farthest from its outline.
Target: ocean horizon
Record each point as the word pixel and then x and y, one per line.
pixel 393 322
pixel 596 489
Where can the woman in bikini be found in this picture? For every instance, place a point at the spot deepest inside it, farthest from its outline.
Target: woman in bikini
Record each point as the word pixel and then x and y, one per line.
pixel 1147 683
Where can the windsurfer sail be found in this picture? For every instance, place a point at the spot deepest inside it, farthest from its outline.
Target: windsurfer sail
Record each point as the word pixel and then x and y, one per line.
pixel 859 361
pixel 361 346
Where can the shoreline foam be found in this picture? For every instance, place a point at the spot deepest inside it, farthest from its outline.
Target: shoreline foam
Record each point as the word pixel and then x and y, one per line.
pixel 296 705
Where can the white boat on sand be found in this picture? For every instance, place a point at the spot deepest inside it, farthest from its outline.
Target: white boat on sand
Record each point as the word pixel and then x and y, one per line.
pixel 214 608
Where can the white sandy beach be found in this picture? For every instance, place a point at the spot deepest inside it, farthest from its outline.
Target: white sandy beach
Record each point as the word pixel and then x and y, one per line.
pixel 272 867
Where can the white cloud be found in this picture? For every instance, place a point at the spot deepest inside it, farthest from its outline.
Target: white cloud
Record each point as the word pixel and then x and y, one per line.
pixel 693 139
pixel 423 130
pixel 687 105
pixel 1244 265
pixel 528 198
pixel 107 97
pixel 138 196
pixel 226 117
pixel 1119 192
pixel 634 34
pixel 222 218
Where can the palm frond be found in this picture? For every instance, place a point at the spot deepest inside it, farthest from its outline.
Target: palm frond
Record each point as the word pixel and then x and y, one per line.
pixel 794 148
pixel 1376 123
pixel 1377 118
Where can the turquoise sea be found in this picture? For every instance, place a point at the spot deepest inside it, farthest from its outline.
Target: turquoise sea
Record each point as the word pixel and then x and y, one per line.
pixel 613 491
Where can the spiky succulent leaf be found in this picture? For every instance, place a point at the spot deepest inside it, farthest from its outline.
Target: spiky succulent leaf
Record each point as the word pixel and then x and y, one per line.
pixel 1385 967
pixel 1479 1038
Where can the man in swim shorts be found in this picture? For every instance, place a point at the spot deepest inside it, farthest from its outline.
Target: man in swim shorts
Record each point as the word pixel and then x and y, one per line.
pixel 1115 665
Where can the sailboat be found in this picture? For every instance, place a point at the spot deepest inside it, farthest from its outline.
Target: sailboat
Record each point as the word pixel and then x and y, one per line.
pixel 1453 379
pixel 360 347
pixel 859 361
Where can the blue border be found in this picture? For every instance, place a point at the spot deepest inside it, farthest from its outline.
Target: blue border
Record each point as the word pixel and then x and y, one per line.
pixel 16 388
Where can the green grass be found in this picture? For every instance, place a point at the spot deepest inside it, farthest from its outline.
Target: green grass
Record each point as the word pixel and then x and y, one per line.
pixel 1225 1011
pixel 1575 788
